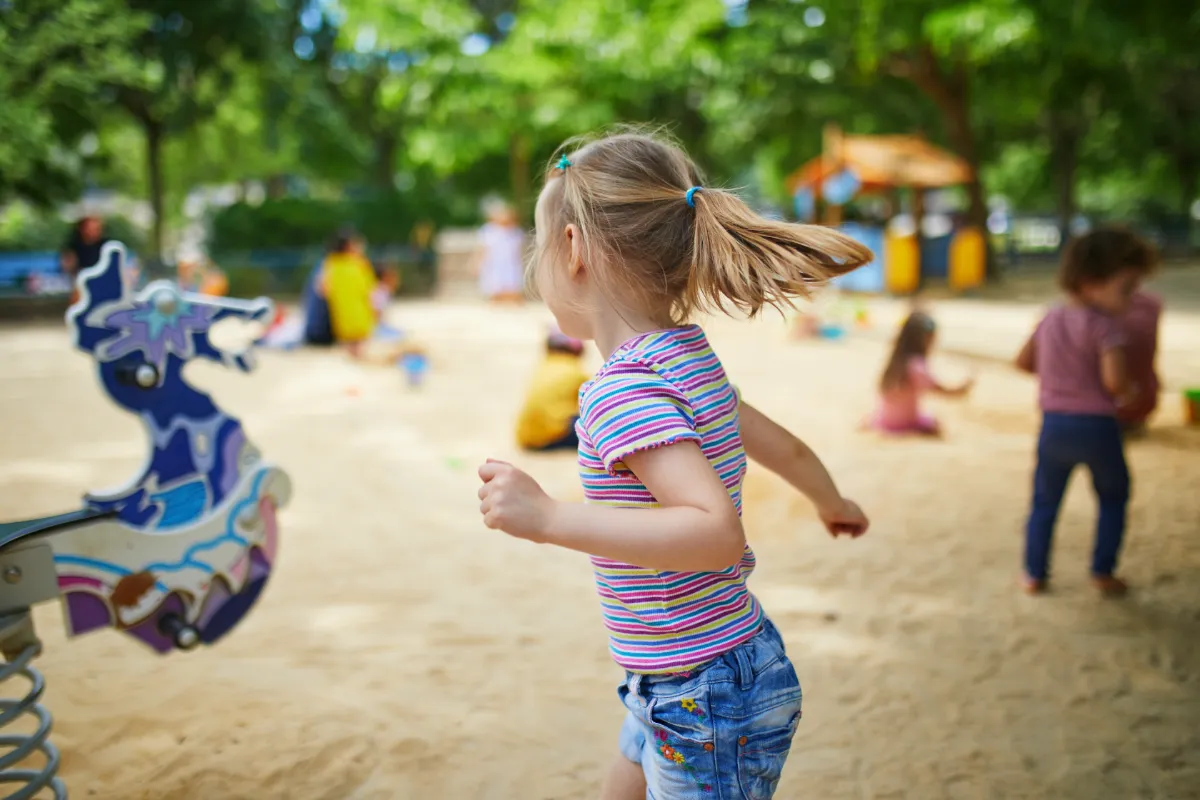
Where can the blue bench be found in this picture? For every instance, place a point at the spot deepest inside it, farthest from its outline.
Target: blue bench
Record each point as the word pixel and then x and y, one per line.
pixel 16 268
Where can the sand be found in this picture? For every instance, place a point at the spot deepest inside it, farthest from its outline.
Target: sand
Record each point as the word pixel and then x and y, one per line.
pixel 404 651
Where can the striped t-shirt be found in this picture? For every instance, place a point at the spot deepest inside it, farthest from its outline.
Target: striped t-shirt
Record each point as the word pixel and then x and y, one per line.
pixel 659 389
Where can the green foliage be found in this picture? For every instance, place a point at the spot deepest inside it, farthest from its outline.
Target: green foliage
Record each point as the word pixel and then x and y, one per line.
pixel 55 56
pixel 384 219
pixel 24 228
pixel 286 222
pixel 127 232
pixel 1088 106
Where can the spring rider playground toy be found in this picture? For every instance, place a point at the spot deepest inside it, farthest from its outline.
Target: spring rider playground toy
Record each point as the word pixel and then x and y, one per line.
pixel 177 557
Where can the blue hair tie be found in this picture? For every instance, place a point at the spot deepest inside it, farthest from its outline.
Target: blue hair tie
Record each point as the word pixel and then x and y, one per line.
pixel 563 162
pixel 691 196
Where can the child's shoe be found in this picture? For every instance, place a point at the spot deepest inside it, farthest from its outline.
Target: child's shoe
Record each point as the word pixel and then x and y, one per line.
pixel 1110 585
pixel 1033 586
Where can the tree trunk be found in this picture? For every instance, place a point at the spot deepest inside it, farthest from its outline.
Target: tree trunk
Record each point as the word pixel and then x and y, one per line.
pixel 1064 160
pixel 956 115
pixel 1187 165
pixel 384 176
pixel 154 142
pixel 518 174
pixel 950 93
pixel 276 186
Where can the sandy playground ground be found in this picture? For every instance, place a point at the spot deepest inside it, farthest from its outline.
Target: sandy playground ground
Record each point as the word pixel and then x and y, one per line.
pixel 404 651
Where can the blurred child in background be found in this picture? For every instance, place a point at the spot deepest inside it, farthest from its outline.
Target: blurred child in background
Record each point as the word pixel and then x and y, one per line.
pixel 907 377
pixel 197 274
pixel 213 280
pixel 348 280
pixel 1141 350
pixel 386 286
pixel 500 261
pixel 551 409
pixel 1080 353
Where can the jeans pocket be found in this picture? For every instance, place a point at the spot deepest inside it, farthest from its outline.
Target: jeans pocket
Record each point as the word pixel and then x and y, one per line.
pixel 761 756
pixel 686 716
pixel 684 741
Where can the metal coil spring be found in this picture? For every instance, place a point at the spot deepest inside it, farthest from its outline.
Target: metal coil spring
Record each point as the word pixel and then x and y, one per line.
pixel 21 746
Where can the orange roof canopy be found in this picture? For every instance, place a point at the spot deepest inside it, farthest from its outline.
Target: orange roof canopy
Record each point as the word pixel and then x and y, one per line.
pixel 882 162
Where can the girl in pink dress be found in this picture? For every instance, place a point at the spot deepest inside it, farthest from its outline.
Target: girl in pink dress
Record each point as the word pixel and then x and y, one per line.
pixel 907 377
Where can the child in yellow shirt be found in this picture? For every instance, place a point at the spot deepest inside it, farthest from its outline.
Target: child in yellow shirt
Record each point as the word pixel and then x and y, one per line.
pixel 349 281
pixel 547 419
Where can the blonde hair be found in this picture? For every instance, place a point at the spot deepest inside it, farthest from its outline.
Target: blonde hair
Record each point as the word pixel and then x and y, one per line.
pixel 627 195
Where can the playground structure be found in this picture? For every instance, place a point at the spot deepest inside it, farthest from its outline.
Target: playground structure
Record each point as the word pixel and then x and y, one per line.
pixel 853 166
pixel 177 557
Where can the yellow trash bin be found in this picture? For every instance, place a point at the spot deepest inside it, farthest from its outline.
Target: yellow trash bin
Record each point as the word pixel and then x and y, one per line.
pixel 902 263
pixel 968 258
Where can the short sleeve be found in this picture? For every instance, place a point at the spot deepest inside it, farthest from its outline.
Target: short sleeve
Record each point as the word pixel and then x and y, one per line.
pixel 631 407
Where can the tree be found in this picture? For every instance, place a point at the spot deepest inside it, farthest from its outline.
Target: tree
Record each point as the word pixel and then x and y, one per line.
pixel 385 62
pixel 938 47
pixel 779 76
pixel 557 74
pixel 187 54
pixel 55 55
pixel 1164 68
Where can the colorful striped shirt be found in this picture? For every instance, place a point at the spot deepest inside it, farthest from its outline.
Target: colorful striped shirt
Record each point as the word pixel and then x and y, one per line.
pixel 659 389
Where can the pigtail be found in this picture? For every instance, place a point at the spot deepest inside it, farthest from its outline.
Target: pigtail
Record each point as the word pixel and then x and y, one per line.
pixel 744 260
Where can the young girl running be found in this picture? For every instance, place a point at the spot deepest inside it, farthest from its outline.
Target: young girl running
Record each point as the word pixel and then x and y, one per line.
pixel 1078 353
pixel 907 377
pixel 630 243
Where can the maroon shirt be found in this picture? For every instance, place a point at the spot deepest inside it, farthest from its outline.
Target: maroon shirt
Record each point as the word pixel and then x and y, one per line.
pixel 1141 329
pixel 1068 343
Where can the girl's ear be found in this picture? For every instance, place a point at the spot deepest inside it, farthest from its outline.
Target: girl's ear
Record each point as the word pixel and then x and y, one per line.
pixel 575 264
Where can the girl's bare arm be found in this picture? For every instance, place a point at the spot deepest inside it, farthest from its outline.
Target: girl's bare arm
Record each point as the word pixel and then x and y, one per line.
pixel 696 527
pixel 1026 360
pixel 951 391
pixel 1114 372
pixel 773 446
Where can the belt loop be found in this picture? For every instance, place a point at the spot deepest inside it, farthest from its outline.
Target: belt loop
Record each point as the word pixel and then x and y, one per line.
pixel 635 687
pixel 745 669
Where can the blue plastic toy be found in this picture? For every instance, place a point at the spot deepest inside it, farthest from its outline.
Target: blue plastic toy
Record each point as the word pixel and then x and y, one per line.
pixel 831 332
pixel 415 365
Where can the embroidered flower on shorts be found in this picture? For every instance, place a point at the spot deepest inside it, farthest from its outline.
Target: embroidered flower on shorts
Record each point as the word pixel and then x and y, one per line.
pixel 676 757
pixel 690 705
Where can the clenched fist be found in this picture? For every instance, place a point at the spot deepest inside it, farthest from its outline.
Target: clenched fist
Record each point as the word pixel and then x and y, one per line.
pixel 846 517
pixel 513 502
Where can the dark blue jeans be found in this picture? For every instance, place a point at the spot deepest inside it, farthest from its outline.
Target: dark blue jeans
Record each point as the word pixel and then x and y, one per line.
pixel 1066 441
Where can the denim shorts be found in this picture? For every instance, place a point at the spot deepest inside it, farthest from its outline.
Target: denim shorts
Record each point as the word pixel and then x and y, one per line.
pixel 722 732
